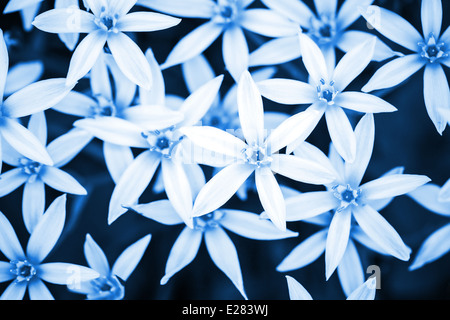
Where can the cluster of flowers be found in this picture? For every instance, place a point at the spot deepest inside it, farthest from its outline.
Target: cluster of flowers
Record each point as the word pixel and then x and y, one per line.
pixel 148 134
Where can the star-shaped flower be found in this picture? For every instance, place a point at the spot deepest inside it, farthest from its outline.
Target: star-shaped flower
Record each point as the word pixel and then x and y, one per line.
pixel 326 92
pixel 27 269
pixel 227 17
pixel 107 24
pixel 431 50
pixel 257 154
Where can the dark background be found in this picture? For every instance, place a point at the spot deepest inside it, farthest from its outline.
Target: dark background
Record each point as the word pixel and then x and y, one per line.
pixel 405 138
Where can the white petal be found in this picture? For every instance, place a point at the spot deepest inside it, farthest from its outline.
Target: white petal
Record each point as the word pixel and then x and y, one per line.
pixel 130 59
pixel 67 146
pixel 120 7
pixel 11 180
pixel 313 59
pixel 287 91
pixel 196 72
pixel 85 55
pixel 434 247
pixel 392 185
pixel 341 132
pixel 66 273
pixel 146 22
pixel 66 20
pixel 326 7
pixel 224 254
pixel 337 239
pixel 193 44
pixel 117 159
pixel 310 204
pixel 295 10
pixel 305 253
pixel 444 193
pixel 296 290
pixel 363 102
pixel 132 183
pixel 33 203
pixel 250 225
pixel 428 197
pixel 350 270
pixel 17 5
pixel 35 97
pixel 271 197
pixel 392 26
pixel 394 72
pixel 436 93
pixel 37 290
pixel 9 243
pixel 130 257
pixel 431 14
pixel 268 23
pixel 76 104
pixel 348 14
pixel 251 110
pixel 152 118
pixel 95 5
pixel 156 95
pixel 61 181
pixel 221 187
pixel 47 231
pixel 95 256
pixel 14 291
pixel 161 211
pixel 182 8
pixel 235 51
pixel 365 291
pixel 276 51
pixel 23 74
pixel 183 252
pixel 4 64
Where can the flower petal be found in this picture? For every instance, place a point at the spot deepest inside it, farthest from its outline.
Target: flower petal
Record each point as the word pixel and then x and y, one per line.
pixel 296 290
pixel 341 133
pixel 313 59
pixel 22 74
pixel 224 254
pixel 276 51
pixel 66 273
pixel 221 187
pixel 76 104
pixel 183 252
pixel 61 181
pixel 146 22
pixel 392 185
pixel 191 9
pixel 47 231
pixel 9 243
pixel 350 270
pixel 444 193
pixel 33 203
pixel 66 20
pixel 428 197
pixel 132 183
pixel 431 15
pixel 348 14
pixel 37 290
pixel 310 204
pixel 295 10
pixel 365 291
pixel 15 291
pixel 235 51
pixel 130 257
pixel 267 23
pixel 152 118
pixel 161 211
pixel 67 146
pixel 363 102
pixel 11 180
pixel 287 91
pixel 117 159
pixel 381 232
pixel 4 64
pixel 326 7
pixel 95 256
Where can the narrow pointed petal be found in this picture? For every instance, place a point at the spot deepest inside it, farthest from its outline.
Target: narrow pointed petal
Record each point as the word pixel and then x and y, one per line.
pixel 33 203
pixel 66 147
pixel 130 257
pixel 95 5
pixel 66 273
pixel 152 118
pixel 381 232
pixel 434 247
pixel 161 211
pixel 76 104
pixel 224 254
pixel 4 64
pixel 276 51
pixel 216 140
pixel 341 133
pixel 394 72
pixel 198 103
pixel 431 15
pixel 23 74
pixel 337 239
pixel 296 290
pixel 308 251
pixel 95 256
pixel 121 7
pixel 146 22
pixel 183 252
pixel 268 23
pixel 132 183
pixel 66 20
pixel 295 129
pixel 392 26
pixel 444 193
pixel 326 7
pixel 15 291
pixel 250 225
pixel 114 130
pixel 24 142
pixel 193 44
pixel 221 187
pixel 295 10
pixel 35 97
pixel 117 159
pixel 365 137
pixel 39 291
pixel 37 124
pixel 353 63
pixel 156 95
pixel 130 59
pixel 191 9
pixel 9 243
pixel 363 102
pixel 61 181
pixel 11 180
pixel 271 197
pixel 310 152
pixel 310 204
pixel 85 56
pixel 380 204
pixel 17 5
pixel 436 93
pixel 350 269
pixel 313 59
pixel 287 91
pixel 428 197
pixel 392 185
pixel 235 51
pixel 251 110
pixel 193 77
pixel 348 12
pixel 47 231
pixel 366 291
pixel 177 188
pixel 302 170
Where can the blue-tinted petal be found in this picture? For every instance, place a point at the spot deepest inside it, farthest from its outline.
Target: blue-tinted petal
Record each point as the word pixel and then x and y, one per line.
pixel 130 257
pixel 95 256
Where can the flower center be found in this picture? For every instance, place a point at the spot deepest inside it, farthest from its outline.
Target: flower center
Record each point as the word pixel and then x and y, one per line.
pixel 210 220
pixel 30 167
pixel 104 108
pixel 226 12
pixel 106 21
pixel 346 195
pixel 326 92
pixel 322 30
pixel 257 156
pixel 432 50
pixel 23 270
pixel 106 288
pixel 161 142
